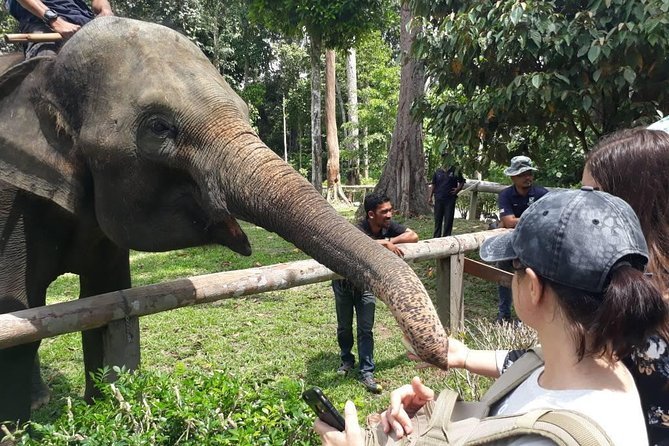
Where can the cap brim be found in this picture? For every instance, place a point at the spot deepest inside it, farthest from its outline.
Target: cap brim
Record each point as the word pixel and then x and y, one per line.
pixel 662 124
pixel 513 172
pixel 499 248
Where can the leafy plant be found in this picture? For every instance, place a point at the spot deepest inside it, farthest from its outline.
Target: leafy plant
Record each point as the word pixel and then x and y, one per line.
pixel 542 72
pixel 184 408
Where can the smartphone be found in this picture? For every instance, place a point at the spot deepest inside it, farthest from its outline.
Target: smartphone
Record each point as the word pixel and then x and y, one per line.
pixel 323 408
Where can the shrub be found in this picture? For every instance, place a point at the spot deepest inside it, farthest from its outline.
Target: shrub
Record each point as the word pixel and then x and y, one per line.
pixel 186 408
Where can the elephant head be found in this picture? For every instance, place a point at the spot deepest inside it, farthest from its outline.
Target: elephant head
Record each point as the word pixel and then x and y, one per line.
pixel 132 124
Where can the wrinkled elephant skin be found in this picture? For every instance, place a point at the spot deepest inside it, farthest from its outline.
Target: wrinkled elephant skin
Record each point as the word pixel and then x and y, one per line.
pixel 130 139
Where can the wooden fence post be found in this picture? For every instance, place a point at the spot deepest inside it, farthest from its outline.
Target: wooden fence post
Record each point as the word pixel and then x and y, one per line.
pixel 450 299
pixel 473 204
pixel 120 343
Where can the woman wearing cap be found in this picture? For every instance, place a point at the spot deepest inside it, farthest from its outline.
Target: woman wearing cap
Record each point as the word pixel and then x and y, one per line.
pixel 578 258
pixel 626 164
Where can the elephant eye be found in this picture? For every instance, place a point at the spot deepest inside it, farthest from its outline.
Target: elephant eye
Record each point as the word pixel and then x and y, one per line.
pixel 161 128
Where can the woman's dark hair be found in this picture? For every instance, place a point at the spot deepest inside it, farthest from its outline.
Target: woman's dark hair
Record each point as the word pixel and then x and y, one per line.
pixel 617 320
pixel 633 165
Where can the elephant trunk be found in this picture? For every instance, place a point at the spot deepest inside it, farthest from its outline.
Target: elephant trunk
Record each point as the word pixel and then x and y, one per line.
pixel 270 193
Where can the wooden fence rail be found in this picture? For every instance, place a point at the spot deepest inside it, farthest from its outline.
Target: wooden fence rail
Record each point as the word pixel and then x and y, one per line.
pixel 118 312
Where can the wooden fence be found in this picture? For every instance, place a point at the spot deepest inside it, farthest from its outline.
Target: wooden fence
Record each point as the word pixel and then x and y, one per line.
pixel 118 312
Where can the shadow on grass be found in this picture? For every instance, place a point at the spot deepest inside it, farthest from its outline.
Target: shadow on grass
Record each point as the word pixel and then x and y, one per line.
pixel 60 388
pixel 322 368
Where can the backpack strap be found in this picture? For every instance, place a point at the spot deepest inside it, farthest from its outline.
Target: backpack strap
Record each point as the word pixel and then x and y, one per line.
pixel 518 372
pixel 564 427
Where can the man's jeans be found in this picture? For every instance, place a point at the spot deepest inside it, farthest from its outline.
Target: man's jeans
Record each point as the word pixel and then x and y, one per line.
pixel 504 308
pixel 34 49
pixel 348 298
pixel 444 213
pixel 505 295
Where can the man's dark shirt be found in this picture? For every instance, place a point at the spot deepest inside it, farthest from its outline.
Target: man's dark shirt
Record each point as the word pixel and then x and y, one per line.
pixel 393 230
pixel 511 202
pixel 443 181
pixel 74 11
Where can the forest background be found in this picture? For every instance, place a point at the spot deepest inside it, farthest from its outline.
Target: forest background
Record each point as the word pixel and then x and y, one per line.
pixel 404 82
pixel 401 83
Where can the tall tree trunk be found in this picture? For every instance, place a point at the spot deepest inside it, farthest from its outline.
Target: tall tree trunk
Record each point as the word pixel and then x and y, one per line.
pixel 334 179
pixel 352 82
pixel 316 146
pixel 365 153
pixel 403 177
pixel 285 137
pixel 342 108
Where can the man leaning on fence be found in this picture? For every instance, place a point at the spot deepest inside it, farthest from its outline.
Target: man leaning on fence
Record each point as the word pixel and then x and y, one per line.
pixel 378 225
pixel 512 202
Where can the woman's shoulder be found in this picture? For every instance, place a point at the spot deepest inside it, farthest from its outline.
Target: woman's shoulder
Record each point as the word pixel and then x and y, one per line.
pixel 617 412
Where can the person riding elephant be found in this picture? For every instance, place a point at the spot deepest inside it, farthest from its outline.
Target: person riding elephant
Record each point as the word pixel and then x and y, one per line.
pixel 65 17
pixel 129 138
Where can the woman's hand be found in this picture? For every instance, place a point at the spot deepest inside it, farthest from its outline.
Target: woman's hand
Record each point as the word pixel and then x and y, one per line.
pixel 352 436
pixel 404 403
pixel 457 353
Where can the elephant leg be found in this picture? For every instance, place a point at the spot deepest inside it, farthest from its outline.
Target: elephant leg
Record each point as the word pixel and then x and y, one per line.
pixel 40 394
pixel 16 380
pixel 16 370
pixel 91 341
pixel 108 271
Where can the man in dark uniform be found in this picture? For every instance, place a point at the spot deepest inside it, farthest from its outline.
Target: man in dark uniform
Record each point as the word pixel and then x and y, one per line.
pixel 47 16
pixel 512 202
pixel 378 225
pixel 447 181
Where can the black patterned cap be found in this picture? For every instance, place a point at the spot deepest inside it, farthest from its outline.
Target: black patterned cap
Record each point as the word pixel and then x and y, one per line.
pixel 573 238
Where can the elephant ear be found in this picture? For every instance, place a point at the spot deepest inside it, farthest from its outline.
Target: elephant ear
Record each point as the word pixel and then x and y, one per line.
pixel 36 146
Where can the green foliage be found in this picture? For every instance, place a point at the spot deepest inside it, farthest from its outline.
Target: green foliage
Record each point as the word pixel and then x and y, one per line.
pixel 333 23
pixel 7 25
pixel 562 70
pixel 239 50
pixel 378 85
pixel 184 408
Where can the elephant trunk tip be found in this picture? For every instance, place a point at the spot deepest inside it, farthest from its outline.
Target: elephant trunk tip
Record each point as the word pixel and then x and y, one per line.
pixel 437 356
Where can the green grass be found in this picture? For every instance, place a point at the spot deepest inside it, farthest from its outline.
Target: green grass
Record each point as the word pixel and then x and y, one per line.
pixel 264 338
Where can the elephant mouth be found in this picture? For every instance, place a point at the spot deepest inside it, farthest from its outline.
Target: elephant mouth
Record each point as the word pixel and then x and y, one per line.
pixel 227 232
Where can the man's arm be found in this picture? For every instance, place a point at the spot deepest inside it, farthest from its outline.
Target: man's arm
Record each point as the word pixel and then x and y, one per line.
pixel 101 8
pixel 461 181
pixel 507 219
pixel 408 236
pixel 60 25
pixel 432 186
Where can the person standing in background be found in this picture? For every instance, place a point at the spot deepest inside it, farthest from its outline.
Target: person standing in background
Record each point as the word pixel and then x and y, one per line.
pixel 512 202
pixel 447 181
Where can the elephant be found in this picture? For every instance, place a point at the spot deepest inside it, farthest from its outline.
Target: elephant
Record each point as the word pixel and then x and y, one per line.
pixel 129 138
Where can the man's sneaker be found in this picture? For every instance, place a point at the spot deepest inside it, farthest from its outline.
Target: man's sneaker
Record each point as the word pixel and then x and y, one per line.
pixel 370 384
pixel 344 368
